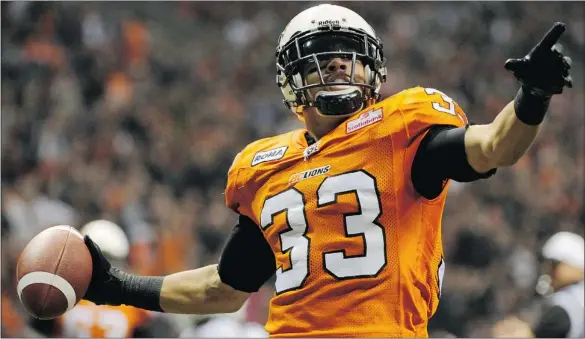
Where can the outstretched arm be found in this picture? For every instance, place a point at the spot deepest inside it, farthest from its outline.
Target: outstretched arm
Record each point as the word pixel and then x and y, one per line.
pixel 199 291
pixel 474 152
pixel 542 73
pixel 246 263
pixel 501 143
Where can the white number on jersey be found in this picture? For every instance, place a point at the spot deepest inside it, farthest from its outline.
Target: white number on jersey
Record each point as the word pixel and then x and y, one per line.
pixel 337 263
pixel 294 238
pixel 450 102
pixel 440 274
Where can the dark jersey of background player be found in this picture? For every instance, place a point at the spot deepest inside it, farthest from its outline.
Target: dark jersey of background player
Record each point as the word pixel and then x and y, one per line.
pixel 563 314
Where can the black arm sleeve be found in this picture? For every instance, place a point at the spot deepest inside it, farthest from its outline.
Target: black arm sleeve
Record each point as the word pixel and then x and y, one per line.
pixel 441 156
pixel 247 261
pixel 554 323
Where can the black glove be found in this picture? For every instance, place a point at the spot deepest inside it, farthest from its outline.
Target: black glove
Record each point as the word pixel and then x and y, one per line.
pixel 106 281
pixel 544 71
pixel 111 286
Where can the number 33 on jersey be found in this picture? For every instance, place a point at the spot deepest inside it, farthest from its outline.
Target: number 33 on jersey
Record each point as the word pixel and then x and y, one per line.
pixel 358 251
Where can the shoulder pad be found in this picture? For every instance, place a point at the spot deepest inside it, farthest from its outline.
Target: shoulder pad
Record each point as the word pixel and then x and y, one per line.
pixel 425 107
pixel 257 155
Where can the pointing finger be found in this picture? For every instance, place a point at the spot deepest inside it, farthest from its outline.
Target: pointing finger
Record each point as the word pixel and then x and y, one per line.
pixel 551 37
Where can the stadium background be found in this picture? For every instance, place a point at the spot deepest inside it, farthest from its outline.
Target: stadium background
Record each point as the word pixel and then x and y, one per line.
pixel 133 112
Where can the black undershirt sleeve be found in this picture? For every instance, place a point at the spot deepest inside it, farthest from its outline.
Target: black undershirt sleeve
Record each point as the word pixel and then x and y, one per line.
pixel 554 323
pixel 441 156
pixel 247 261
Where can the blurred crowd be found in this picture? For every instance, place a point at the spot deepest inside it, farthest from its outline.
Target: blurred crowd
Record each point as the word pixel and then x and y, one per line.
pixel 133 112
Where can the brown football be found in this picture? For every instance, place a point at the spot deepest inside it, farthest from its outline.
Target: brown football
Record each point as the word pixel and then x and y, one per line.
pixel 53 272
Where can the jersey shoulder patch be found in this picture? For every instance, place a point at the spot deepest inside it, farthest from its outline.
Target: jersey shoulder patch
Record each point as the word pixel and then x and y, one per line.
pixel 255 156
pixel 376 117
pixel 265 150
pixel 423 107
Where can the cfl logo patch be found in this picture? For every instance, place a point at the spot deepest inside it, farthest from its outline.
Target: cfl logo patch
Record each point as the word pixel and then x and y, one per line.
pixel 315 172
pixel 311 150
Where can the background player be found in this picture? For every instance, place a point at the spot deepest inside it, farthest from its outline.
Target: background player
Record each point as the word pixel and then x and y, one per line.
pixel 562 311
pixel 327 36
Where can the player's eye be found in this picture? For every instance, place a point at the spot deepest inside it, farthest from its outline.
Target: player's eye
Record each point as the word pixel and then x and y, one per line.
pixel 319 45
pixel 311 69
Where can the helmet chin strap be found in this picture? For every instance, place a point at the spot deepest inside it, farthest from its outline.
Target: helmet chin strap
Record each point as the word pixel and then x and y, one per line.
pixel 339 103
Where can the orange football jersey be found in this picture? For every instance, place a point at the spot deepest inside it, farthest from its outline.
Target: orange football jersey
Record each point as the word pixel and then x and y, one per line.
pixel 358 251
pixel 88 320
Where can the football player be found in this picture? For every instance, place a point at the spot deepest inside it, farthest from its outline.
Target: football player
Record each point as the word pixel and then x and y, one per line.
pixel 562 285
pixel 347 211
pixel 563 313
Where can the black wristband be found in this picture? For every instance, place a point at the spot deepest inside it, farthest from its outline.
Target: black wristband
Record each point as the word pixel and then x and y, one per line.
pixel 142 292
pixel 531 106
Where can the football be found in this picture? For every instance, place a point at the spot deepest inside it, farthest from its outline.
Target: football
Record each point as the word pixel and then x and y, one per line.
pixel 53 272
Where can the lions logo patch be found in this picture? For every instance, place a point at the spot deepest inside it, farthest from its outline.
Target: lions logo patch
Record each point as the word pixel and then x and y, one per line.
pixel 309 174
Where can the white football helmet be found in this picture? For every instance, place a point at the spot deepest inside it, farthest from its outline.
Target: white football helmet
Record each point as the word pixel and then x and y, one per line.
pixel 565 247
pixel 110 237
pixel 320 33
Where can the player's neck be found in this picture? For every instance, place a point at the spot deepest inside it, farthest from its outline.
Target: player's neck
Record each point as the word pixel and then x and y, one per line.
pixel 313 137
pixel 319 126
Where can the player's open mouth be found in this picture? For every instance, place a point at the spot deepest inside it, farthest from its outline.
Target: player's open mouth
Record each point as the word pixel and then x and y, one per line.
pixel 337 79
